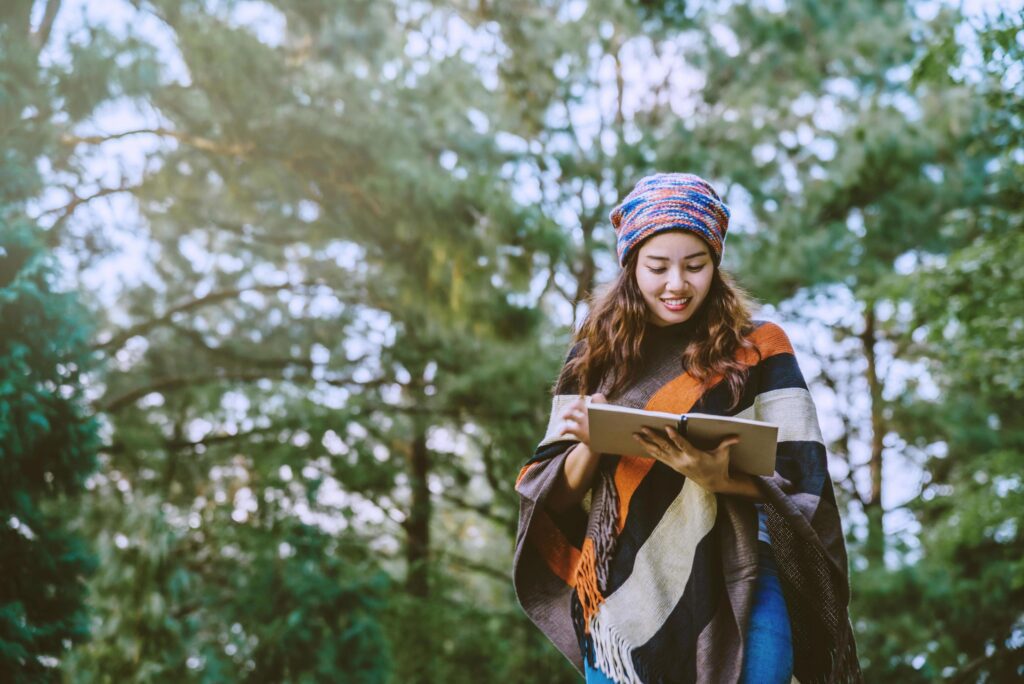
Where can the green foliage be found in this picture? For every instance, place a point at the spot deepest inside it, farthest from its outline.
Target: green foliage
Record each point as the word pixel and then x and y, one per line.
pixel 374 295
pixel 972 307
pixel 450 639
pixel 366 228
pixel 966 323
pixel 48 438
pixel 47 449
pixel 102 67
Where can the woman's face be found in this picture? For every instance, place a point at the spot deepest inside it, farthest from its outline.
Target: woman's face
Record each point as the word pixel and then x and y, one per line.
pixel 673 272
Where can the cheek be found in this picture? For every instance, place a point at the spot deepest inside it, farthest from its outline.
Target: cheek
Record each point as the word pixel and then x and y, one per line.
pixel 647 283
pixel 705 284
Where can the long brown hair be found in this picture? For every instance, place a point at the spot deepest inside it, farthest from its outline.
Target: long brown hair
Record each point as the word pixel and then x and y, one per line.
pixel 613 330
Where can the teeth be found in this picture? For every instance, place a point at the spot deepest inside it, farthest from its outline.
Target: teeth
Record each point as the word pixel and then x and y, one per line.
pixel 676 302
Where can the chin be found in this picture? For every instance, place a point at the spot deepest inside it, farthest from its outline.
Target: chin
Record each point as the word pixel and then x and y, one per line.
pixel 668 319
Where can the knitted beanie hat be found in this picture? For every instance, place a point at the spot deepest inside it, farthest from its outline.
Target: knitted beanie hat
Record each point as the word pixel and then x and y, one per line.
pixel 670 201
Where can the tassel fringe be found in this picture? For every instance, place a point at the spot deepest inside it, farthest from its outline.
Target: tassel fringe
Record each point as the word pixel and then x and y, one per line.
pixel 586 583
pixel 612 653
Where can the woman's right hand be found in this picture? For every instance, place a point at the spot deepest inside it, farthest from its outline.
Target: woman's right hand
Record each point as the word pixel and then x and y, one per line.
pixel 574 418
pixel 579 467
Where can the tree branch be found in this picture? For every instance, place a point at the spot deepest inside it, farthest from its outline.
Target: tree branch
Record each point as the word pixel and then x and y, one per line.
pixel 173 383
pixel 197 339
pixel 176 382
pixel 245 231
pixel 841 446
pixel 462 561
pixel 490 467
pixel 970 670
pixel 208 440
pixel 42 34
pixel 236 149
pixel 118 340
pixel 239 149
pixel 65 212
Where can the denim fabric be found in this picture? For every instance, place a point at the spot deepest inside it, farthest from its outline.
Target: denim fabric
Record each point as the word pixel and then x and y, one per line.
pixel 594 675
pixel 762 524
pixel 769 645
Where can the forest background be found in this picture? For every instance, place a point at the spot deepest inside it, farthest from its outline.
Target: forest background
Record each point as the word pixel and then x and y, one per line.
pixel 284 286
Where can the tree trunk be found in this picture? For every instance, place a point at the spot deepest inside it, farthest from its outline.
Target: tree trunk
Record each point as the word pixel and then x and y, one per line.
pixel 587 269
pixel 417 525
pixel 875 548
pixel 417 556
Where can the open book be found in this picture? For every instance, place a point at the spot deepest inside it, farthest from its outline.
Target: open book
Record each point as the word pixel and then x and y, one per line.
pixel 612 428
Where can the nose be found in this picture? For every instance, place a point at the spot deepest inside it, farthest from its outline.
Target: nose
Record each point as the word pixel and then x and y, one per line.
pixel 676 280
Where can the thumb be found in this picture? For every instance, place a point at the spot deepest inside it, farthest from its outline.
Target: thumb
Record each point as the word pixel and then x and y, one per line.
pixel 598 399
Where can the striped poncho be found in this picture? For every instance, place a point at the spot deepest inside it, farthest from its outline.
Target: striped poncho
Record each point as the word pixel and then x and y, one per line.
pixel 654 576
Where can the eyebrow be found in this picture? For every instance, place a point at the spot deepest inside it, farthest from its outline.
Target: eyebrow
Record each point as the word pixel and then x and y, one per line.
pixel 688 256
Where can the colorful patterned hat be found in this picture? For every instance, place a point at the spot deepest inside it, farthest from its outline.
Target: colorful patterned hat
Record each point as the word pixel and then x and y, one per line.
pixel 670 201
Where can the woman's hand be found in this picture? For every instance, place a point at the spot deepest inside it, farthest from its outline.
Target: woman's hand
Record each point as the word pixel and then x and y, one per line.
pixel 580 465
pixel 709 469
pixel 574 418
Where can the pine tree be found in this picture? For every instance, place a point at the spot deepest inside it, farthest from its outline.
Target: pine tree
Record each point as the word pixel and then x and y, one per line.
pixel 48 440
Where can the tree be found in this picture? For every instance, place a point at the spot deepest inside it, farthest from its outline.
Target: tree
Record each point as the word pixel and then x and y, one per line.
pixel 48 441
pixel 337 281
pixel 965 572
pixel 365 231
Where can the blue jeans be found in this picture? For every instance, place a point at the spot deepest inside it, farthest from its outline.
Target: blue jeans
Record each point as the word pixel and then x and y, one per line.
pixel 769 652
pixel 594 675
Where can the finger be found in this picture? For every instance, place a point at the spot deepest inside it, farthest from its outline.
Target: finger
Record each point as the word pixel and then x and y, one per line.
pixel 646 440
pixel 677 439
pixel 641 436
pixel 656 436
pixel 649 448
pixel 728 442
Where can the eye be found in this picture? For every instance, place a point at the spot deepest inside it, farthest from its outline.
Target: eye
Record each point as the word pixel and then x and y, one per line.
pixel 696 269
pixel 656 270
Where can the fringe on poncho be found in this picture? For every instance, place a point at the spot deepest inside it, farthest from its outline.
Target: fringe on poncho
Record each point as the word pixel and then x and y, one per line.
pixel 654 576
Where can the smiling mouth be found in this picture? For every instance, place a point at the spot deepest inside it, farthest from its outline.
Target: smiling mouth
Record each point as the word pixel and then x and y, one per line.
pixel 677 304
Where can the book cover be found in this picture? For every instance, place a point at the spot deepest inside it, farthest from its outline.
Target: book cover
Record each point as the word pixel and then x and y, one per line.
pixel 612 428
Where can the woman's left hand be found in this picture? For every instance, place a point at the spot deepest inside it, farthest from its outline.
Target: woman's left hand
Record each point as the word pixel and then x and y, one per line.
pixel 709 469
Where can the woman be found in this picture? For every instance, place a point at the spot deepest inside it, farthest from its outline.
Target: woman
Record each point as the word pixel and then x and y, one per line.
pixel 667 566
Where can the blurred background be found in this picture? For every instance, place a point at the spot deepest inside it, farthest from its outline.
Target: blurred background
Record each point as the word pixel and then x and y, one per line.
pixel 285 284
